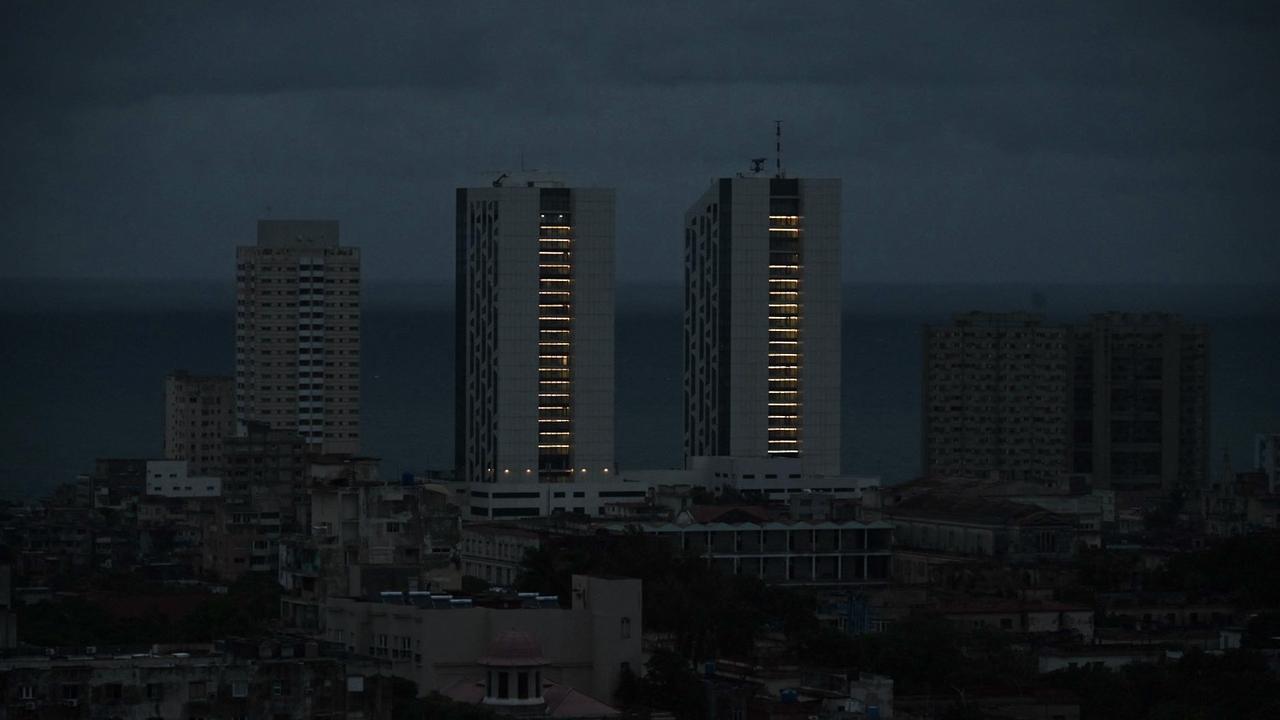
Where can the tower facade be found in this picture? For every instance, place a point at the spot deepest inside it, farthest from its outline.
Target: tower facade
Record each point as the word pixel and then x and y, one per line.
pixel 199 413
pixel 298 333
pixel 535 333
pixel 995 397
pixel 762 321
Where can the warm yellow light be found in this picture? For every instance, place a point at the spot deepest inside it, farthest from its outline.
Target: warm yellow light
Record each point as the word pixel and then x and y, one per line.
pixel 556 227
pixel 784 229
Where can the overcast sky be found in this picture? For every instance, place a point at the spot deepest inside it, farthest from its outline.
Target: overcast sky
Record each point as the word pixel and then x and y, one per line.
pixel 1021 141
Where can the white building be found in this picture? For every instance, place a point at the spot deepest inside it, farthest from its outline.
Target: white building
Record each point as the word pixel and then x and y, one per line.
pixel 516 498
pixel 439 640
pixel 170 478
pixel 298 333
pixel 762 321
pixel 535 337
pixel 771 478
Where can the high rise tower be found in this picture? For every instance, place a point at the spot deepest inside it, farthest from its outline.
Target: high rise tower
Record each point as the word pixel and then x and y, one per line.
pixel 762 321
pixel 298 333
pixel 534 311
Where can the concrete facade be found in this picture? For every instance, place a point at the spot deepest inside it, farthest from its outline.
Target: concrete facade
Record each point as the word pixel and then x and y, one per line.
pixel 586 645
pixel 995 397
pixel 1140 405
pixel 535 335
pixel 298 333
pixel 173 478
pixel 199 411
pixel 762 321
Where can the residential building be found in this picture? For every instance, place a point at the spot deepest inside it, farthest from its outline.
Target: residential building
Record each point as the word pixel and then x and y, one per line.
pixel 438 641
pixel 176 479
pixel 264 495
pixel 1267 460
pixel 199 411
pixel 298 333
pixel 995 397
pixel 282 678
pixel 535 336
pixel 364 537
pixel 1140 404
pixel 762 321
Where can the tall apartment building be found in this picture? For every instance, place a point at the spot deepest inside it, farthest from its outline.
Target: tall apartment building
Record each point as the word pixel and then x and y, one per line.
pixel 995 397
pixel 1140 404
pixel 762 321
pixel 199 411
pixel 298 333
pixel 1266 459
pixel 535 299
pixel 1123 399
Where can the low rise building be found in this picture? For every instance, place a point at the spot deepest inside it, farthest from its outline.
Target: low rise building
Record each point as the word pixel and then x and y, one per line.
pixel 279 678
pixel 440 641
pixel 748 541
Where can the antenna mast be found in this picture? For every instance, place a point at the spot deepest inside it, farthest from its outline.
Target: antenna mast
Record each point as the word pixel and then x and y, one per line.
pixel 777 133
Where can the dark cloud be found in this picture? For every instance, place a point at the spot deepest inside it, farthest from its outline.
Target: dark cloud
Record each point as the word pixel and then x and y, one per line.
pixel 1003 141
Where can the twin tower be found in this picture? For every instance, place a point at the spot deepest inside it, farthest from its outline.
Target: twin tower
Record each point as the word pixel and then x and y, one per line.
pixel 535 327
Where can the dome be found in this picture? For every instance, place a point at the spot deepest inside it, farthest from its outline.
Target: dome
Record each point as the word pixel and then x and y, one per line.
pixel 514 648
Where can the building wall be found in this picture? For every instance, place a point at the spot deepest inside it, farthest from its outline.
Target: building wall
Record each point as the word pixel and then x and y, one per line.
pixel 995 397
pixel 298 333
pixel 728 282
pixel 1141 402
pixel 437 647
pixel 798 553
pixel 172 478
pixel 199 411
pixel 500 238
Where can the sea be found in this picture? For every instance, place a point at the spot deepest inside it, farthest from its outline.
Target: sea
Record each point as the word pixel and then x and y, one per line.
pixel 82 367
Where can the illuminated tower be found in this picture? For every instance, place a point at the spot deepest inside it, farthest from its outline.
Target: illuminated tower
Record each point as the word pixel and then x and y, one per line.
pixel 762 321
pixel 534 311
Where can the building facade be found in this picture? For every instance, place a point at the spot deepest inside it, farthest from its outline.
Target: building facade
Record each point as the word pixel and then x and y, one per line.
pixel 443 641
pixel 995 397
pixel 1267 460
pixel 762 321
pixel 298 333
pixel 1140 403
pixel 199 411
pixel 535 336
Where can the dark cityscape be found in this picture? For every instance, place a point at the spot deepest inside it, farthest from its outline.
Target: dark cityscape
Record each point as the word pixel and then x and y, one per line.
pixel 650 361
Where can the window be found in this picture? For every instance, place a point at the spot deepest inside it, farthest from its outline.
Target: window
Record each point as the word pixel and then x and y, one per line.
pixel 522 685
pixel 626 628
pixel 197 690
pixel 26 692
pixel 239 689
pixel 503 690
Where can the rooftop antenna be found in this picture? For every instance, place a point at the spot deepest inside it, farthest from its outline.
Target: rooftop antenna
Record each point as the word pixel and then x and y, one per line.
pixel 777 134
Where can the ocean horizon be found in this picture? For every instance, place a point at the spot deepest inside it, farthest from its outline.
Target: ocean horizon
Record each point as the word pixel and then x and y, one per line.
pixel 83 370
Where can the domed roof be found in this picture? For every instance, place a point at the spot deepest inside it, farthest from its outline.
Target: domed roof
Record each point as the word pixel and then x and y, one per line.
pixel 514 647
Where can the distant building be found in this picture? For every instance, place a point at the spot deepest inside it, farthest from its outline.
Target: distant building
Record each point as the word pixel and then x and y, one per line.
pixel 174 478
pixel 1140 405
pixel 995 397
pixel 1123 400
pixel 762 321
pixel 438 643
pixel 748 541
pixel 512 684
pixel 535 343
pixel 199 411
pixel 285 679
pixel 264 494
pixel 298 333
pixel 1267 460
pixel 935 530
